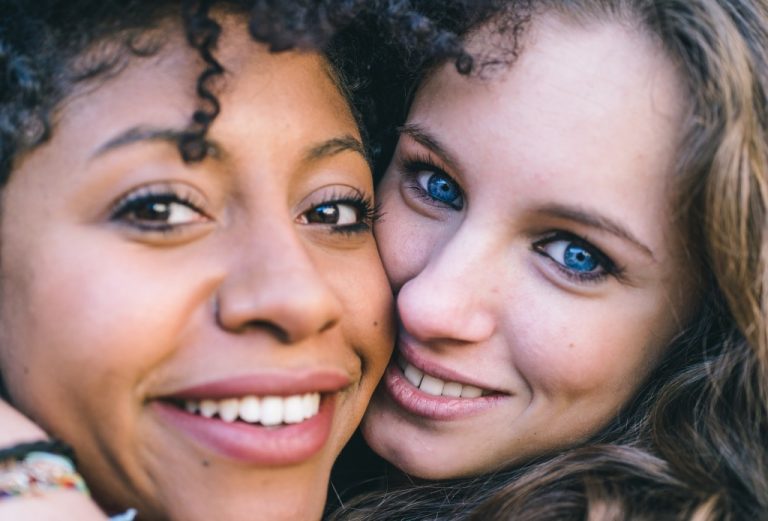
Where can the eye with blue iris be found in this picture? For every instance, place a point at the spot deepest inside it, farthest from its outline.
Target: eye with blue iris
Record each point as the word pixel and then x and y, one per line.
pixel 575 257
pixel 441 188
pixel 433 185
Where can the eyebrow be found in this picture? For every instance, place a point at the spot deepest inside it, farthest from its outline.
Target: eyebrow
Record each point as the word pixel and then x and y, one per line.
pixel 335 146
pixel 424 138
pixel 142 134
pixel 595 221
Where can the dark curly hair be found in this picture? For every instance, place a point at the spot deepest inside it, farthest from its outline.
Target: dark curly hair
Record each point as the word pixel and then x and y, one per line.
pixel 47 47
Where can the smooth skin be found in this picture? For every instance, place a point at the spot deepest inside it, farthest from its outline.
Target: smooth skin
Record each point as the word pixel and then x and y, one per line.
pixel 528 235
pixel 129 275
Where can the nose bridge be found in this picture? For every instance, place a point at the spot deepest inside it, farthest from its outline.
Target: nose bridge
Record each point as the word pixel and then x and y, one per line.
pixel 453 295
pixel 272 283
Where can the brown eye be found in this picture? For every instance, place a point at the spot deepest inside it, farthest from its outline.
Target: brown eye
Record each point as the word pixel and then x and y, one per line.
pixel 157 211
pixel 339 214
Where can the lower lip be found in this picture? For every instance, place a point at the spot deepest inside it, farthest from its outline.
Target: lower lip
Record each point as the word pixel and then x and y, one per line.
pixel 419 403
pixel 254 444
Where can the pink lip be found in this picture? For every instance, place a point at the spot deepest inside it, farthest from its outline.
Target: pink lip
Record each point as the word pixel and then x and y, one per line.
pixel 414 358
pixel 284 383
pixel 253 444
pixel 444 408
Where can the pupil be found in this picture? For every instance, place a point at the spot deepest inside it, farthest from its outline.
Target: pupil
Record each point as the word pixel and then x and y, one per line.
pixel 442 188
pixel 154 211
pixel 577 258
pixel 325 214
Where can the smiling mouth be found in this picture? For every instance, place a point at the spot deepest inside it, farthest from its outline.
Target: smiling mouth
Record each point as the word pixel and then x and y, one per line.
pixel 267 411
pixel 432 385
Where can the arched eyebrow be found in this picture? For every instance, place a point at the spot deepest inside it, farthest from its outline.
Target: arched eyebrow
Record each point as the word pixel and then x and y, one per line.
pixel 142 134
pixel 424 138
pixel 594 220
pixel 335 146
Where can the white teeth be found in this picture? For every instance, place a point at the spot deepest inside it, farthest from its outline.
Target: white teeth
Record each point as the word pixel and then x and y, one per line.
pixel 293 409
pixel 470 391
pixel 267 410
pixel 452 389
pixel 271 410
pixel 208 408
pixel 435 386
pixel 250 409
pixel 431 385
pixel 310 404
pixel 413 375
pixel 229 409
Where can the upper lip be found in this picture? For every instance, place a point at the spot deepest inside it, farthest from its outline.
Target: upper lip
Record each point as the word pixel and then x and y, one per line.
pixel 415 358
pixel 268 383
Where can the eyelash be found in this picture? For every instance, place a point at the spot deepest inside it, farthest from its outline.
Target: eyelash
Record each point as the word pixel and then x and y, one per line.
pixel 142 198
pixel 412 167
pixel 368 212
pixel 609 267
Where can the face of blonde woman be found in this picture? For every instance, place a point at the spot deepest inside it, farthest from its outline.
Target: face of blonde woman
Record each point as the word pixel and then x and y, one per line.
pixel 528 234
pixel 206 335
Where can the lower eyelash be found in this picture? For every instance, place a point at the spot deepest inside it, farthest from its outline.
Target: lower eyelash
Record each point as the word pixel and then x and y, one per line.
pixel 583 278
pixel 609 268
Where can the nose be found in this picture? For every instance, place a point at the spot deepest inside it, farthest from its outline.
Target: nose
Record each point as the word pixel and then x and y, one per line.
pixel 275 285
pixel 452 297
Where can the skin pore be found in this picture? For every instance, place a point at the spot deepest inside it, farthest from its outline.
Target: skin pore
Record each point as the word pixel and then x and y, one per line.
pixel 528 236
pixel 139 290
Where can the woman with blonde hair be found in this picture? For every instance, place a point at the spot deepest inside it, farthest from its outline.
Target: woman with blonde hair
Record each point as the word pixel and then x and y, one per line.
pixel 576 238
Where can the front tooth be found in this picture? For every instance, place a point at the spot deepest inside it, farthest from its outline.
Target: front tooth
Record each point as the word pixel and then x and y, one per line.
pixel 190 406
pixel 250 409
pixel 470 391
pixel 293 409
pixel 271 410
pixel 229 409
pixel 431 385
pixel 208 408
pixel 413 375
pixel 452 389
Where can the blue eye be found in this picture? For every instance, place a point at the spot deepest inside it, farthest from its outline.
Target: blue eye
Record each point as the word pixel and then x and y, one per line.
pixel 578 258
pixel 575 257
pixel 442 188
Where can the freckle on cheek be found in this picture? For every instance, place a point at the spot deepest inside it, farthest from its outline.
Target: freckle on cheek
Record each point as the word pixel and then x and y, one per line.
pixel 376 324
pixel 205 463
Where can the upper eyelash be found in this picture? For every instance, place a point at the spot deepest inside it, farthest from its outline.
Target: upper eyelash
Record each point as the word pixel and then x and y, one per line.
pixel 168 194
pixel 610 268
pixel 370 212
pixel 419 163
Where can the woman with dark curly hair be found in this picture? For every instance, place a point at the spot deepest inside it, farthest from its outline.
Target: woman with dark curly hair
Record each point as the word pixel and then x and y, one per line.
pixel 192 298
pixel 576 239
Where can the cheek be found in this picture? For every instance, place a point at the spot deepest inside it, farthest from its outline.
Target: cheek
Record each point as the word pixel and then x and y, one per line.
pixel 359 282
pixel 81 314
pixel 607 348
pixel 406 239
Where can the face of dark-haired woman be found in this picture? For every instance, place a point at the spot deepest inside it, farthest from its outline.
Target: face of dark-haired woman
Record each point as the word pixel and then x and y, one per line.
pixel 528 234
pixel 205 335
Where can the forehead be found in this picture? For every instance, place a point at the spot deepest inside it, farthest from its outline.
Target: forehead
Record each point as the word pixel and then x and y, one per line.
pixel 584 115
pixel 290 90
pixel 600 77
